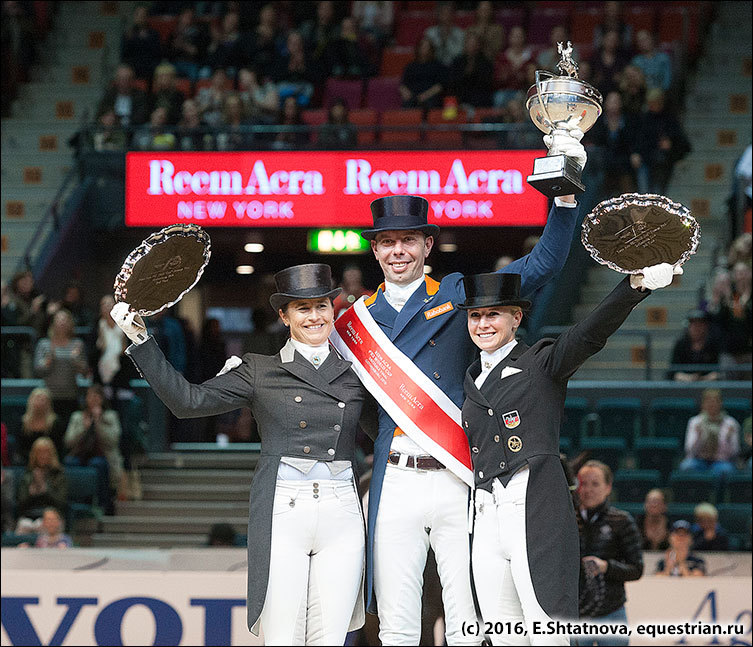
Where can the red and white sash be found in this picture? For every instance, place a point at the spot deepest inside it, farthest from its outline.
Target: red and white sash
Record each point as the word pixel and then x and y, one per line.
pixel 418 406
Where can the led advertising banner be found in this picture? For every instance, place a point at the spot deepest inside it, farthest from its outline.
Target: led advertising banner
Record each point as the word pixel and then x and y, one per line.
pixel 329 189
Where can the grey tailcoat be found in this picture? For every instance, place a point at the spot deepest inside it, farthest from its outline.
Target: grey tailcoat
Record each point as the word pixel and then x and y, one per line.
pixel 300 412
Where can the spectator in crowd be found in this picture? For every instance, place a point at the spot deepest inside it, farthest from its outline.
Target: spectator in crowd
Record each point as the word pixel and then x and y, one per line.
pixel 7 496
pixel 39 420
pixel 352 289
pixel 123 98
pixel 633 90
pixel 261 101
pixel 319 32
pixel 187 44
pixel 613 136
pixel 290 115
pixel 225 46
pixel 19 48
pixel 550 57
pixel 211 98
pixel 19 309
pixel 293 75
pixel 221 535
pixel 745 457
pixel 679 561
pixel 613 21
pixel 708 534
pixel 51 533
pixel 423 79
pixel 471 75
pixel 446 37
pixel 264 45
pixel 607 64
pixel 502 261
pixel 661 144
pixel 109 136
pixel 156 135
pixel 374 19
pixel 719 293
pixel 59 358
pixel 655 65
pixel 734 319
pixel 93 439
pixel 525 134
pixel 107 351
pixel 511 70
pixel 4 449
pixel 490 35
pixel 165 94
pixel 345 54
pixel 712 439
pixel 190 135
pixel 740 250
pixel 233 134
pixel 338 133
pixel 73 302
pixel 741 195
pixel 695 347
pixel 25 306
pixel 653 522
pixel 610 548
pixel 43 484
pixel 141 47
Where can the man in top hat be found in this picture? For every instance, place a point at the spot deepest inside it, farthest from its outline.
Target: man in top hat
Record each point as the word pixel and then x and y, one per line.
pixel 414 502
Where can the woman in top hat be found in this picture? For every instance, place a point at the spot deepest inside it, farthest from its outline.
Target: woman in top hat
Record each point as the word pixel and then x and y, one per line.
pixel 525 550
pixel 305 531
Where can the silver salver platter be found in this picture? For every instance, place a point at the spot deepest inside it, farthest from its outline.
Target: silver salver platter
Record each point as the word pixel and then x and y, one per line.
pixel 637 230
pixel 160 271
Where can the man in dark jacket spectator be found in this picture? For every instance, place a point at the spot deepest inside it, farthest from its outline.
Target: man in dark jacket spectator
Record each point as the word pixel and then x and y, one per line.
pixel 124 99
pixel 141 47
pixel 697 347
pixel 472 74
pixel 610 549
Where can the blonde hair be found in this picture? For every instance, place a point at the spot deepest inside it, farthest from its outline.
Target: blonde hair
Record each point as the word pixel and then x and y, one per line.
pixel 69 320
pixel 705 510
pixel 50 415
pixel 38 444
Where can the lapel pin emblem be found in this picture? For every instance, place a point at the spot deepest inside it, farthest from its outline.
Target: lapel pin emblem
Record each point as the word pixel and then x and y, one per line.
pixel 511 419
pixel 515 443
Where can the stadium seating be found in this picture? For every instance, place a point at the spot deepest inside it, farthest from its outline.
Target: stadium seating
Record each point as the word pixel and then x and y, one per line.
pixel 607 450
pixel 383 93
pixel 677 511
pixel 364 117
pixel 693 487
pixel 412 117
pixel 735 518
pixel 13 408
pixel 82 493
pixel 661 454
pixel 619 417
pixel 632 485
pixel 738 408
pixel 350 91
pixel 573 420
pixel 394 61
pixel 632 507
pixel 737 488
pixel 411 27
pixel 447 138
pixel 543 19
pixel 668 417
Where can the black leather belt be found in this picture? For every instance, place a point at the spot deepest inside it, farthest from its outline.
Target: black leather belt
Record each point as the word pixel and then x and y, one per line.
pixel 417 462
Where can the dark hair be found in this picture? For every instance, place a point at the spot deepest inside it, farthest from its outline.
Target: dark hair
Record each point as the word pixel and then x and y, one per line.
pixel 605 470
pixel 221 534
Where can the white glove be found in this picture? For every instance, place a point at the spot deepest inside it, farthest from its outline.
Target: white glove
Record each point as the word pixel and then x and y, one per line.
pixel 129 322
pixel 566 141
pixel 655 277
pixel 232 362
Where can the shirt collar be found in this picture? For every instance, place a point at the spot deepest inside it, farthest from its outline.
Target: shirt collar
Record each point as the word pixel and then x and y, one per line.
pixel 490 360
pixel 397 295
pixel 312 352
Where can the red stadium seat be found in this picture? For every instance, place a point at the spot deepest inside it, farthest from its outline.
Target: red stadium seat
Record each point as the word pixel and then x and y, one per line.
pixel 412 117
pixel 640 17
pixel 314 118
pixel 140 84
pixel 679 24
pixel 394 61
pixel 583 23
pixel 351 91
pixel 543 20
pixel 205 83
pixel 411 25
pixel 184 87
pixel 449 139
pixel 464 19
pixel 163 25
pixel 364 117
pixel 382 93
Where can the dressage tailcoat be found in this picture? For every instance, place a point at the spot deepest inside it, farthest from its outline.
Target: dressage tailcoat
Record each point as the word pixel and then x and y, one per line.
pixel 434 336
pixel 301 412
pixel 514 420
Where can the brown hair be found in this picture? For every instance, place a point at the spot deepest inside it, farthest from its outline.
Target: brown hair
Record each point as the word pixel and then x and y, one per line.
pixel 605 469
pixel 43 441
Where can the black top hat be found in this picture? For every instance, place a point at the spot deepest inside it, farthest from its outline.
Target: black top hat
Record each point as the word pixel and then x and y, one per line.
pixel 310 281
pixel 493 289
pixel 400 212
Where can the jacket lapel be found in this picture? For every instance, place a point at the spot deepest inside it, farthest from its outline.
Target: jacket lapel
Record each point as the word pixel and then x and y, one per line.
pixel 412 307
pixel 471 391
pixel 384 314
pixel 493 379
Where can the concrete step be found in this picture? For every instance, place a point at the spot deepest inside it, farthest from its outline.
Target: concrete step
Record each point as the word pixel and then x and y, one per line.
pixel 101 35
pixel 703 101
pixel 63 109
pixel 615 371
pixel 169 525
pixel 30 136
pixel 24 204
pixel 144 540
pixel 198 477
pixel 58 91
pixel 654 315
pixel 72 54
pixel 35 170
pixel 9 263
pixel 180 508
pixel 178 492
pixel 202 460
pixel 591 296
pixel 705 169
pixel 91 74
pixel 712 134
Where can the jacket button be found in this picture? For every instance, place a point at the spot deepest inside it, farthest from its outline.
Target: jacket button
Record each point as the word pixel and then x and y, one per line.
pixel 302 424
pixel 466 424
pixel 298 398
pixel 490 412
pixel 502 465
pixel 341 405
pixel 337 427
pixel 496 439
pixel 474 450
pixel 331 451
pixel 481 475
pixel 436 375
pixel 307 450
pixel 432 342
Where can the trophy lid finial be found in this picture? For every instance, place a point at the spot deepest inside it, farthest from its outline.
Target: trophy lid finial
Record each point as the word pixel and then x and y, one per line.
pixel 567 65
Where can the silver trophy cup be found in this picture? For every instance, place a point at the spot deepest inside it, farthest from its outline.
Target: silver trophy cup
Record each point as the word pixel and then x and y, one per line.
pixel 557 102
